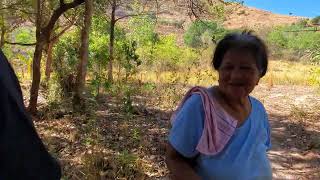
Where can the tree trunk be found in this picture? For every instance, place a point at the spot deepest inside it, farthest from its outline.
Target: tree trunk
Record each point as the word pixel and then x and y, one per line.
pixel 111 43
pixel 49 61
pixel 84 54
pixel 36 63
pixel 43 37
pixel 36 75
pixel 50 49
pixel 3 32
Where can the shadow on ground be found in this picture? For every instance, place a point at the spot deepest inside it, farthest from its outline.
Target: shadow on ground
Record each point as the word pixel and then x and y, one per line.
pixel 295 150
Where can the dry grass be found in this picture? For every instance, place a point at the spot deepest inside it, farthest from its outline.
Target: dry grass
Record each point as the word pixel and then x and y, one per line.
pixel 289 73
pixel 279 73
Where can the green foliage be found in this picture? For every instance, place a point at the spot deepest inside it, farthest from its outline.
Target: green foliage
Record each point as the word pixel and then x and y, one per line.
pixel 54 89
pixel 316 20
pixel 98 49
pixel 277 37
pixel 99 52
pixel 66 52
pixel 152 49
pixel 304 40
pixel 127 159
pixel 21 55
pixel 66 59
pixel 296 39
pixel 218 11
pixel 303 22
pixel 127 99
pixel 142 30
pixel 315 55
pixel 167 54
pixel 24 35
pixel 192 37
pixel 289 36
pixel 26 59
pixel 149 86
pixel 201 33
pixel 130 59
pixel 167 50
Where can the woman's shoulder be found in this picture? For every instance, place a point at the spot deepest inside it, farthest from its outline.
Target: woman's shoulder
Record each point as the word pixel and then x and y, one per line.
pixel 194 102
pixel 257 104
pixel 191 111
pixel 259 111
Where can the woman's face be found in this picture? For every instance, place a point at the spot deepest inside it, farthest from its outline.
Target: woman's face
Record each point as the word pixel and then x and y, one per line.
pixel 238 74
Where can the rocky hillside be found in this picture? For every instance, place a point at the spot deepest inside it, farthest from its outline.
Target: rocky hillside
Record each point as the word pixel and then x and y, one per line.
pixel 175 20
pixel 249 17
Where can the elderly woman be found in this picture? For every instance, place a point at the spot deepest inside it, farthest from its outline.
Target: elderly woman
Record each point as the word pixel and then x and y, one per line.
pixel 221 132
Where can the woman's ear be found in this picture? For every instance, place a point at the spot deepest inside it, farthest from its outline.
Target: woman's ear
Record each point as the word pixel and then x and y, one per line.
pixel 258 81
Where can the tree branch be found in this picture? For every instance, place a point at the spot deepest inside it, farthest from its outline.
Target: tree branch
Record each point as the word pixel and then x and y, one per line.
pixel 125 16
pixel 131 15
pixel 62 3
pixel 20 44
pixel 21 10
pixel 57 13
pixel 63 31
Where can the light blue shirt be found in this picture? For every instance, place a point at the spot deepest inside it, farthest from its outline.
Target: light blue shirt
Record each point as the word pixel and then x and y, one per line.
pixel 245 155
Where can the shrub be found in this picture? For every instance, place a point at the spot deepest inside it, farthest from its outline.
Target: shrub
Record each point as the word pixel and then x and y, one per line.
pixel 297 39
pixel 316 20
pixel 201 33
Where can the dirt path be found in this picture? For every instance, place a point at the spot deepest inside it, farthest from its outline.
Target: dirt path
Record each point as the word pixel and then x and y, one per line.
pixel 295 120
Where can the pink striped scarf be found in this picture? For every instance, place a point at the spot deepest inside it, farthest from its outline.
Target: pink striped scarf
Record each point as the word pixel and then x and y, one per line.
pixel 218 125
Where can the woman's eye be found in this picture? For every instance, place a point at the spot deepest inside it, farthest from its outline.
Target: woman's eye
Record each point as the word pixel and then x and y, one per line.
pixel 227 67
pixel 246 68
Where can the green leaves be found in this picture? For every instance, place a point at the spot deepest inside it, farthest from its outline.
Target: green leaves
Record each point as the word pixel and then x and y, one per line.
pixel 142 30
pixel 316 20
pixel 25 35
pixel 201 34
pixel 130 59
pixel 66 53
pixel 298 38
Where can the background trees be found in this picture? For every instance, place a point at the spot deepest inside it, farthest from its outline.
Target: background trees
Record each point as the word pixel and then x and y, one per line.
pixel 125 38
pixel 105 75
pixel 44 28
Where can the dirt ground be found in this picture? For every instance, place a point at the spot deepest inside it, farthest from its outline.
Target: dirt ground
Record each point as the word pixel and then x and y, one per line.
pixel 294 115
pixel 114 145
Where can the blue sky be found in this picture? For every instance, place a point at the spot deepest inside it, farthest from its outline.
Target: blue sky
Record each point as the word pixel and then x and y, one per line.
pixel 306 8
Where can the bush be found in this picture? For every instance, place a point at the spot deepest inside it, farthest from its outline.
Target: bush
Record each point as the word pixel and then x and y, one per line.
pixel 66 60
pixel 316 20
pixel 201 33
pixel 303 22
pixel 169 55
pixel 295 39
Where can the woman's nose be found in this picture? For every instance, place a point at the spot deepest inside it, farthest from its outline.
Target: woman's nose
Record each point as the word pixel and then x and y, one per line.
pixel 236 74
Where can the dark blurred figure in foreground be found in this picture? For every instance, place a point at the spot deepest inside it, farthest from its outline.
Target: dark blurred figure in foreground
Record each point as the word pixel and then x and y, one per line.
pixel 22 153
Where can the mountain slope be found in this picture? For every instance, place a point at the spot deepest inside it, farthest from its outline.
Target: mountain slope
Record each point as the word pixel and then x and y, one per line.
pixel 249 17
pixel 176 19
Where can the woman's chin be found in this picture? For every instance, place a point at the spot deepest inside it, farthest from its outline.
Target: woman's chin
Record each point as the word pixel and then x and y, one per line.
pixel 237 93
